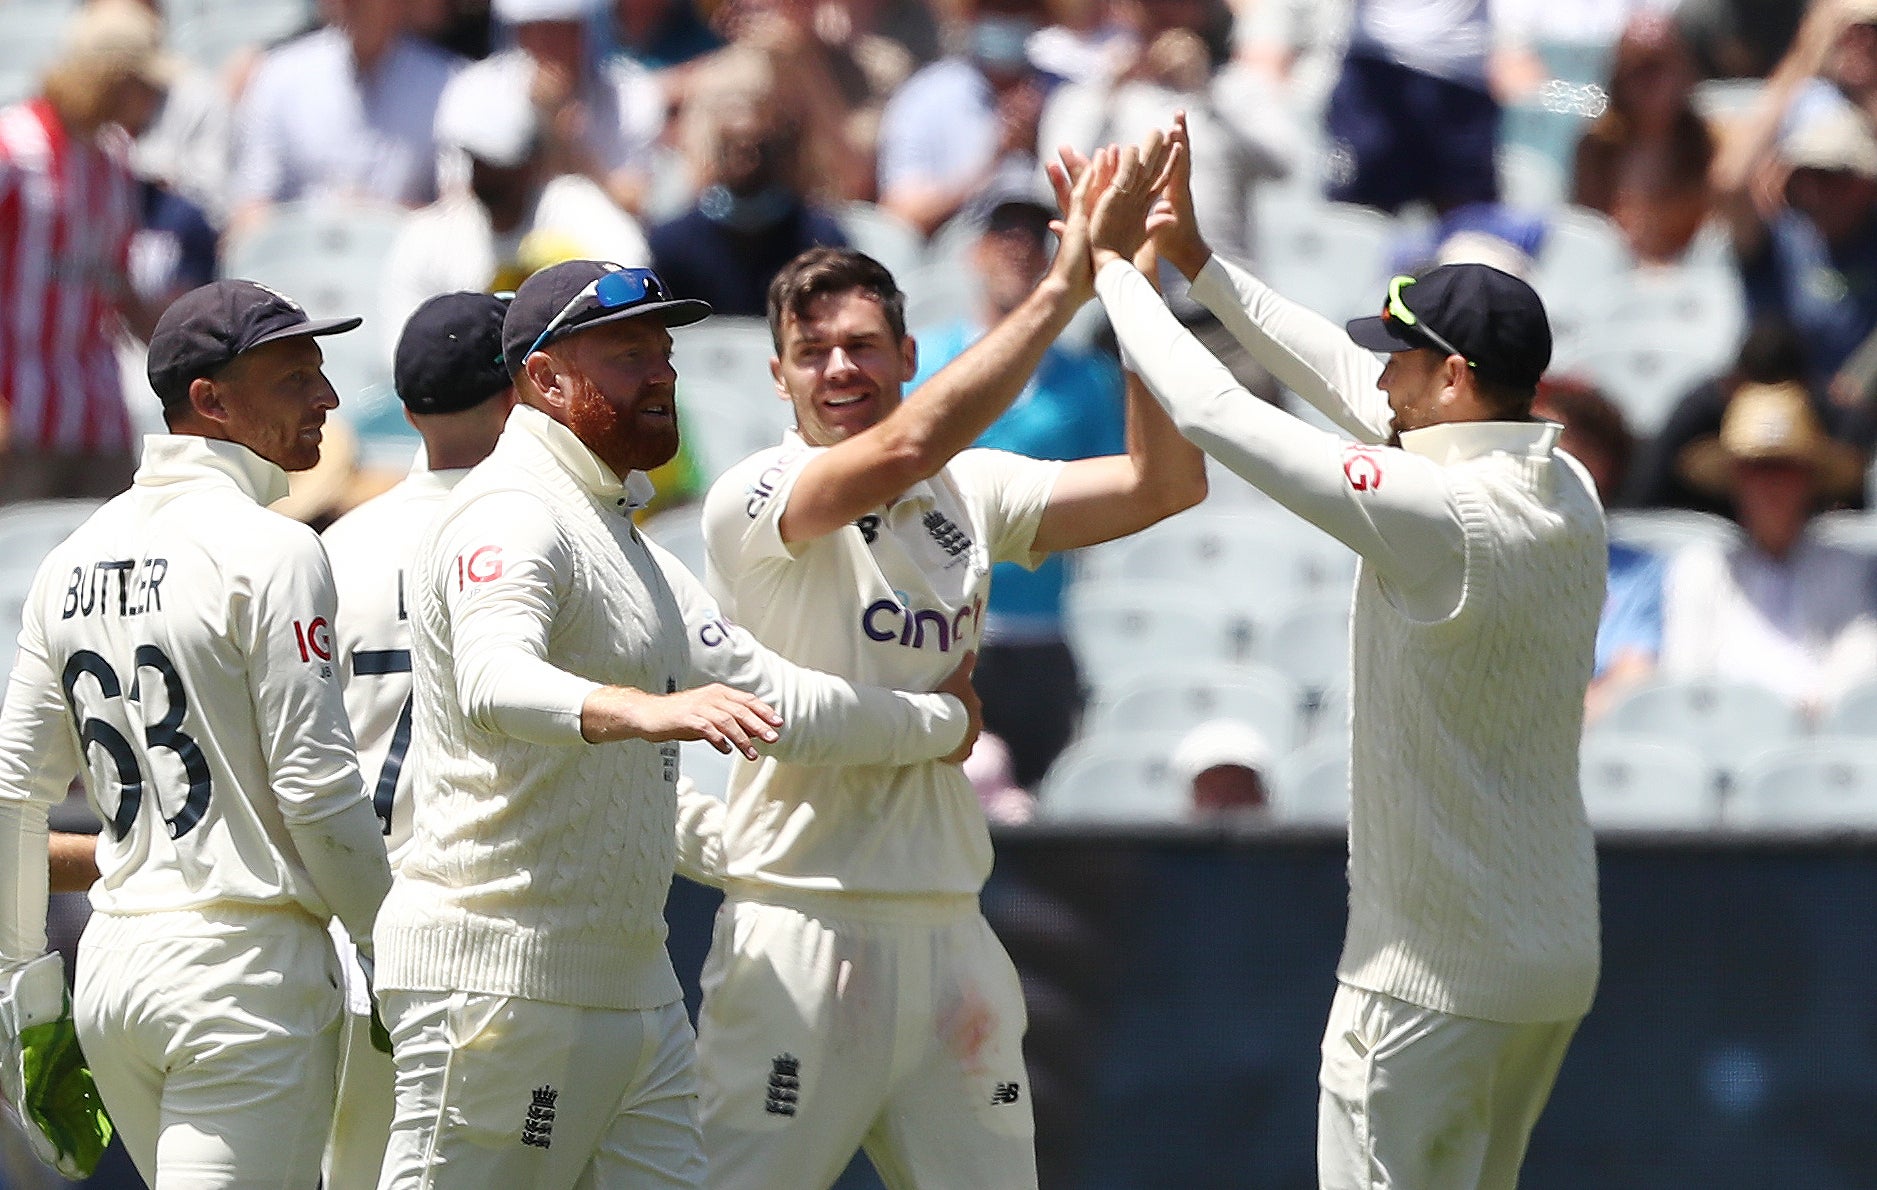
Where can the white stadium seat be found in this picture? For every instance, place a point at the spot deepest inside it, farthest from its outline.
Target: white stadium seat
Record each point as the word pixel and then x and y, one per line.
pixel 1183 698
pixel 1311 785
pixel 1115 778
pixel 1121 629
pixel 1646 783
pixel 1821 784
pixel 1726 721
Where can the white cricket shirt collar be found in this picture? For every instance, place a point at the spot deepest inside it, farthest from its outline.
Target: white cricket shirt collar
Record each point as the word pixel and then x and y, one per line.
pixel 921 492
pixel 632 493
pixel 1456 442
pixel 182 458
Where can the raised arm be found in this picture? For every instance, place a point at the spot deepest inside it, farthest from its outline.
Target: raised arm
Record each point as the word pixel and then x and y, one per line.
pixel 1389 505
pixel 1306 352
pixel 957 405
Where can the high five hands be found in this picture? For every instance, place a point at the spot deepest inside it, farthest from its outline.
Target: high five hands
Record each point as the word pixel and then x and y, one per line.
pixel 1122 199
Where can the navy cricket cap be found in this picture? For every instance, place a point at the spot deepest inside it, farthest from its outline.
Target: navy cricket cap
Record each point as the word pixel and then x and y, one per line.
pixel 206 328
pixel 576 295
pixel 1489 317
pixel 449 355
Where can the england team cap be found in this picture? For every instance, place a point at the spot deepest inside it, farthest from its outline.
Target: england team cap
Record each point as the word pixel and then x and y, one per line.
pixel 576 295
pixel 205 329
pixel 449 355
pixel 1493 320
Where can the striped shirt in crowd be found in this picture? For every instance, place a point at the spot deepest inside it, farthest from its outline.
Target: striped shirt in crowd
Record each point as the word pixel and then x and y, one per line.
pixel 67 211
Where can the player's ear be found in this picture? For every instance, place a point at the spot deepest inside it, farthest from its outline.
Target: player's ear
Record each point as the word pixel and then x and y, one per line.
pixel 538 368
pixel 775 373
pixel 909 358
pixel 206 399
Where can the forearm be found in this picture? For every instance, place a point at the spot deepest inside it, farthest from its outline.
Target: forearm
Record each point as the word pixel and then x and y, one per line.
pixel 954 408
pixel 700 836
pixel 23 881
pixel 72 861
pixel 1408 531
pixel 344 854
pixel 513 692
pixel 1308 353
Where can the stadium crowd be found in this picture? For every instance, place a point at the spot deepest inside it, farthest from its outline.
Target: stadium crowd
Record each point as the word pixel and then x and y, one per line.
pixel 1704 240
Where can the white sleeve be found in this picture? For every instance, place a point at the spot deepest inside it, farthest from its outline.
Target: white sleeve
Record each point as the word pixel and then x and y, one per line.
pixel 503 569
pixel 827 720
pixel 1010 493
pixel 305 738
pixel 38 758
pixel 700 835
pixel 1392 507
pixel 1308 353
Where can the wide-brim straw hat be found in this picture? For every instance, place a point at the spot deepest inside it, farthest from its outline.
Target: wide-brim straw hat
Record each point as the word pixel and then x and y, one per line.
pixel 1772 422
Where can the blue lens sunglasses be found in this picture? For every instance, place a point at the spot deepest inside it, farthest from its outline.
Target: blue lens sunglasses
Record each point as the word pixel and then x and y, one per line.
pixel 613 290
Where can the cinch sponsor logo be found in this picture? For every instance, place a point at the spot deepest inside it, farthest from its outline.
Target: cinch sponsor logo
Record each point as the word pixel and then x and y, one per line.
pixel 886 620
pixel 765 486
pixel 713 633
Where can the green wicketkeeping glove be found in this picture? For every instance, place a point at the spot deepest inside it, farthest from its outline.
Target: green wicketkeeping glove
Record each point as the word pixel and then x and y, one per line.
pixel 44 1072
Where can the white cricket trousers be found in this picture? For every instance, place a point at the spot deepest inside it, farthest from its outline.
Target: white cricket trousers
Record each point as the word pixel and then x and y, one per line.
pixel 213 1035
pixel 361 1119
pixel 1413 1099
pixel 501 1093
pixel 837 1023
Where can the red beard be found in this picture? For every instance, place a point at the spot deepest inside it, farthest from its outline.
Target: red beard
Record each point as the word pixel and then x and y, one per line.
pixel 612 435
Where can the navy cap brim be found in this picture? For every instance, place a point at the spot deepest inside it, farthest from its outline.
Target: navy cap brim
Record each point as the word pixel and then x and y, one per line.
pixel 323 326
pixel 676 312
pixel 1380 334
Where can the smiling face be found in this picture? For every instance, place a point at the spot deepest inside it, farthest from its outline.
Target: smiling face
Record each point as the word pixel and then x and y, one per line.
pixel 615 388
pixel 272 399
pixel 841 366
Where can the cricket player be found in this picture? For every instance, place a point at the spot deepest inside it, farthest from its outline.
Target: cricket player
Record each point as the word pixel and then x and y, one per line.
pixel 177 649
pixel 448 373
pixel 854 995
pixel 540 1040
pixel 1472 948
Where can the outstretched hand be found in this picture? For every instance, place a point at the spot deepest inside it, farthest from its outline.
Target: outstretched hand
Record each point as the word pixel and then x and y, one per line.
pixel 1075 180
pixel 1172 225
pixel 1118 215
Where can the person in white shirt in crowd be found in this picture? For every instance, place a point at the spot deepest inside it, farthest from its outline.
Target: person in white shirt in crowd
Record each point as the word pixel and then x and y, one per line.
pixel 456 393
pixel 855 997
pixel 601 121
pixel 540 1040
pixel 177 649
pixel 1472 948
pixel 1780 608
pixel 344 111
pixel 504 211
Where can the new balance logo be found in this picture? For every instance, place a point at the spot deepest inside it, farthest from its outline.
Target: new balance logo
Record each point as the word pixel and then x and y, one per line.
pixel 785 1085
pixel 537 1127
pixel 1007 1093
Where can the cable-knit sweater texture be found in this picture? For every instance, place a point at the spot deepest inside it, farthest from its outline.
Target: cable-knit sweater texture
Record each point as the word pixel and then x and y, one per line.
pixel 539 869
pixel 1472 867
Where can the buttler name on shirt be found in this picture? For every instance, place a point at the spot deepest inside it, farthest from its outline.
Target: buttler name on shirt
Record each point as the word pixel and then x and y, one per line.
pixel 123 587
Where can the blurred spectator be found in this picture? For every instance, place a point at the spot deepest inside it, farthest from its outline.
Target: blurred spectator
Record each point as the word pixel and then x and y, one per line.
pixel 1645 161
pixel 1295 44
pixel 1072 408
pixel 1243 132
pixel 503 214
pixel 1802 208
pixel 1781 608
pixel 1629 635
pixel 1087 42
pixel 752 214
pixel 174 250
pixel 346 110
pixel 600 121
pixel 1223 762
pixel 1771 354
pixel 465 28
pixel 1412 116
pixel 960 123
pixel 69 208
pixel 1005 802
pixel 658 34
pixel 840 78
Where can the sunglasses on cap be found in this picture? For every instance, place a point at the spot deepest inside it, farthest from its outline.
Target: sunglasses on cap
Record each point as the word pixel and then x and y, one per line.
pixel 613 290
pixel 1396 310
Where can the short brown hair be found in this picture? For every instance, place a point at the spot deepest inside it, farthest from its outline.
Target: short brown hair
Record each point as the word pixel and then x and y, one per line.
pixel 819 272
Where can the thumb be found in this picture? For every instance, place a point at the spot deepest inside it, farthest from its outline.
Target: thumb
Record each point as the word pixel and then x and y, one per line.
pixel 969 663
